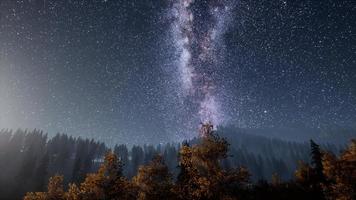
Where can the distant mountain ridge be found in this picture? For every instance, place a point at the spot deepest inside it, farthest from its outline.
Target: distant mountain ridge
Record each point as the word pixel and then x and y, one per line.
pixel 333 135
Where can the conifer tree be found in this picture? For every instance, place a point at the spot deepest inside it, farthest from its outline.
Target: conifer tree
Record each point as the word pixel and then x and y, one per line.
pixel 55 191
pixel 316 158
pixel 154 181
pixel 107 183
pixel 341 174
pixel 204 177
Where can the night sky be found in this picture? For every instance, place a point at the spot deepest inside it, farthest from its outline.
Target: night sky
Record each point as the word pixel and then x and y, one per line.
pixel 151 70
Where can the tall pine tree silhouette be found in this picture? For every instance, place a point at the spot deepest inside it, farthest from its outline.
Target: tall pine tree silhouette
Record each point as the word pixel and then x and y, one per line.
pixel 316 156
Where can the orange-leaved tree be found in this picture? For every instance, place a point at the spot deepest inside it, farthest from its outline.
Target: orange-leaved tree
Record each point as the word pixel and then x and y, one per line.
pixel 202 176
pixel 154 181
pixel 55 191
pixel 340 173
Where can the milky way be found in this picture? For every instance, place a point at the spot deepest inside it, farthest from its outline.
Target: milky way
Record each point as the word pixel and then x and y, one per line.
pixel 196 30
pixel 149 71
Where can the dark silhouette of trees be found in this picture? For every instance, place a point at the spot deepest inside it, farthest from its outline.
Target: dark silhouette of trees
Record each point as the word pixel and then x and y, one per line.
pixel 213 166
pixel 311 177
pixel 316 160
pixel 123 154
pixel 29 158
pixel 137 159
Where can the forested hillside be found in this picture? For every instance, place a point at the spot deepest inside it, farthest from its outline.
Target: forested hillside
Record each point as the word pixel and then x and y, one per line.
pixel 202 177
pixel 29 158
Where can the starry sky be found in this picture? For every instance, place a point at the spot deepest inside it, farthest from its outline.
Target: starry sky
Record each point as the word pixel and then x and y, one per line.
pixel 149 71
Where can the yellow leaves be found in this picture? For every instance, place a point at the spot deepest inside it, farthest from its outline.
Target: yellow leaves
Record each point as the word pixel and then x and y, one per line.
pixel 55 188
pixel 91 187
pixel 350 153
pixel 203 189
pixel 342 169
pixel 73 192
pixel 339 191
pixel 204 177
pixel 153 180
pixel 106 183
pixel 205 156
pixel 35 196
pixel 339 172
pixel 329 164
pixel 55 191
pixel 303 173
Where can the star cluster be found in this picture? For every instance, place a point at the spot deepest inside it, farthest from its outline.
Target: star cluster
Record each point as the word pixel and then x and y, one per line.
pixel 148 71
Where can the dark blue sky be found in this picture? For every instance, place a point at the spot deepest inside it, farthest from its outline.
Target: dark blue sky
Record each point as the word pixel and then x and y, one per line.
pixel 108 68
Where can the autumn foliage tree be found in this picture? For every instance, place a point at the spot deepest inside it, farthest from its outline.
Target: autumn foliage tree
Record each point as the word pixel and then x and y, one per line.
pixel 340 173
pixel 330 177
pixel 154 181
pixel 202 176
pixel 55 191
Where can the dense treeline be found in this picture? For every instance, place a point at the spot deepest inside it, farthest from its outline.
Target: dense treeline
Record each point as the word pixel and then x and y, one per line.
pixel 202 177
pixel 264 156
pixel 29 158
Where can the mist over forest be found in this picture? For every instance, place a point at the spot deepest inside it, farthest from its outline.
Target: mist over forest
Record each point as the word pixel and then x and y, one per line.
pixel 29 158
